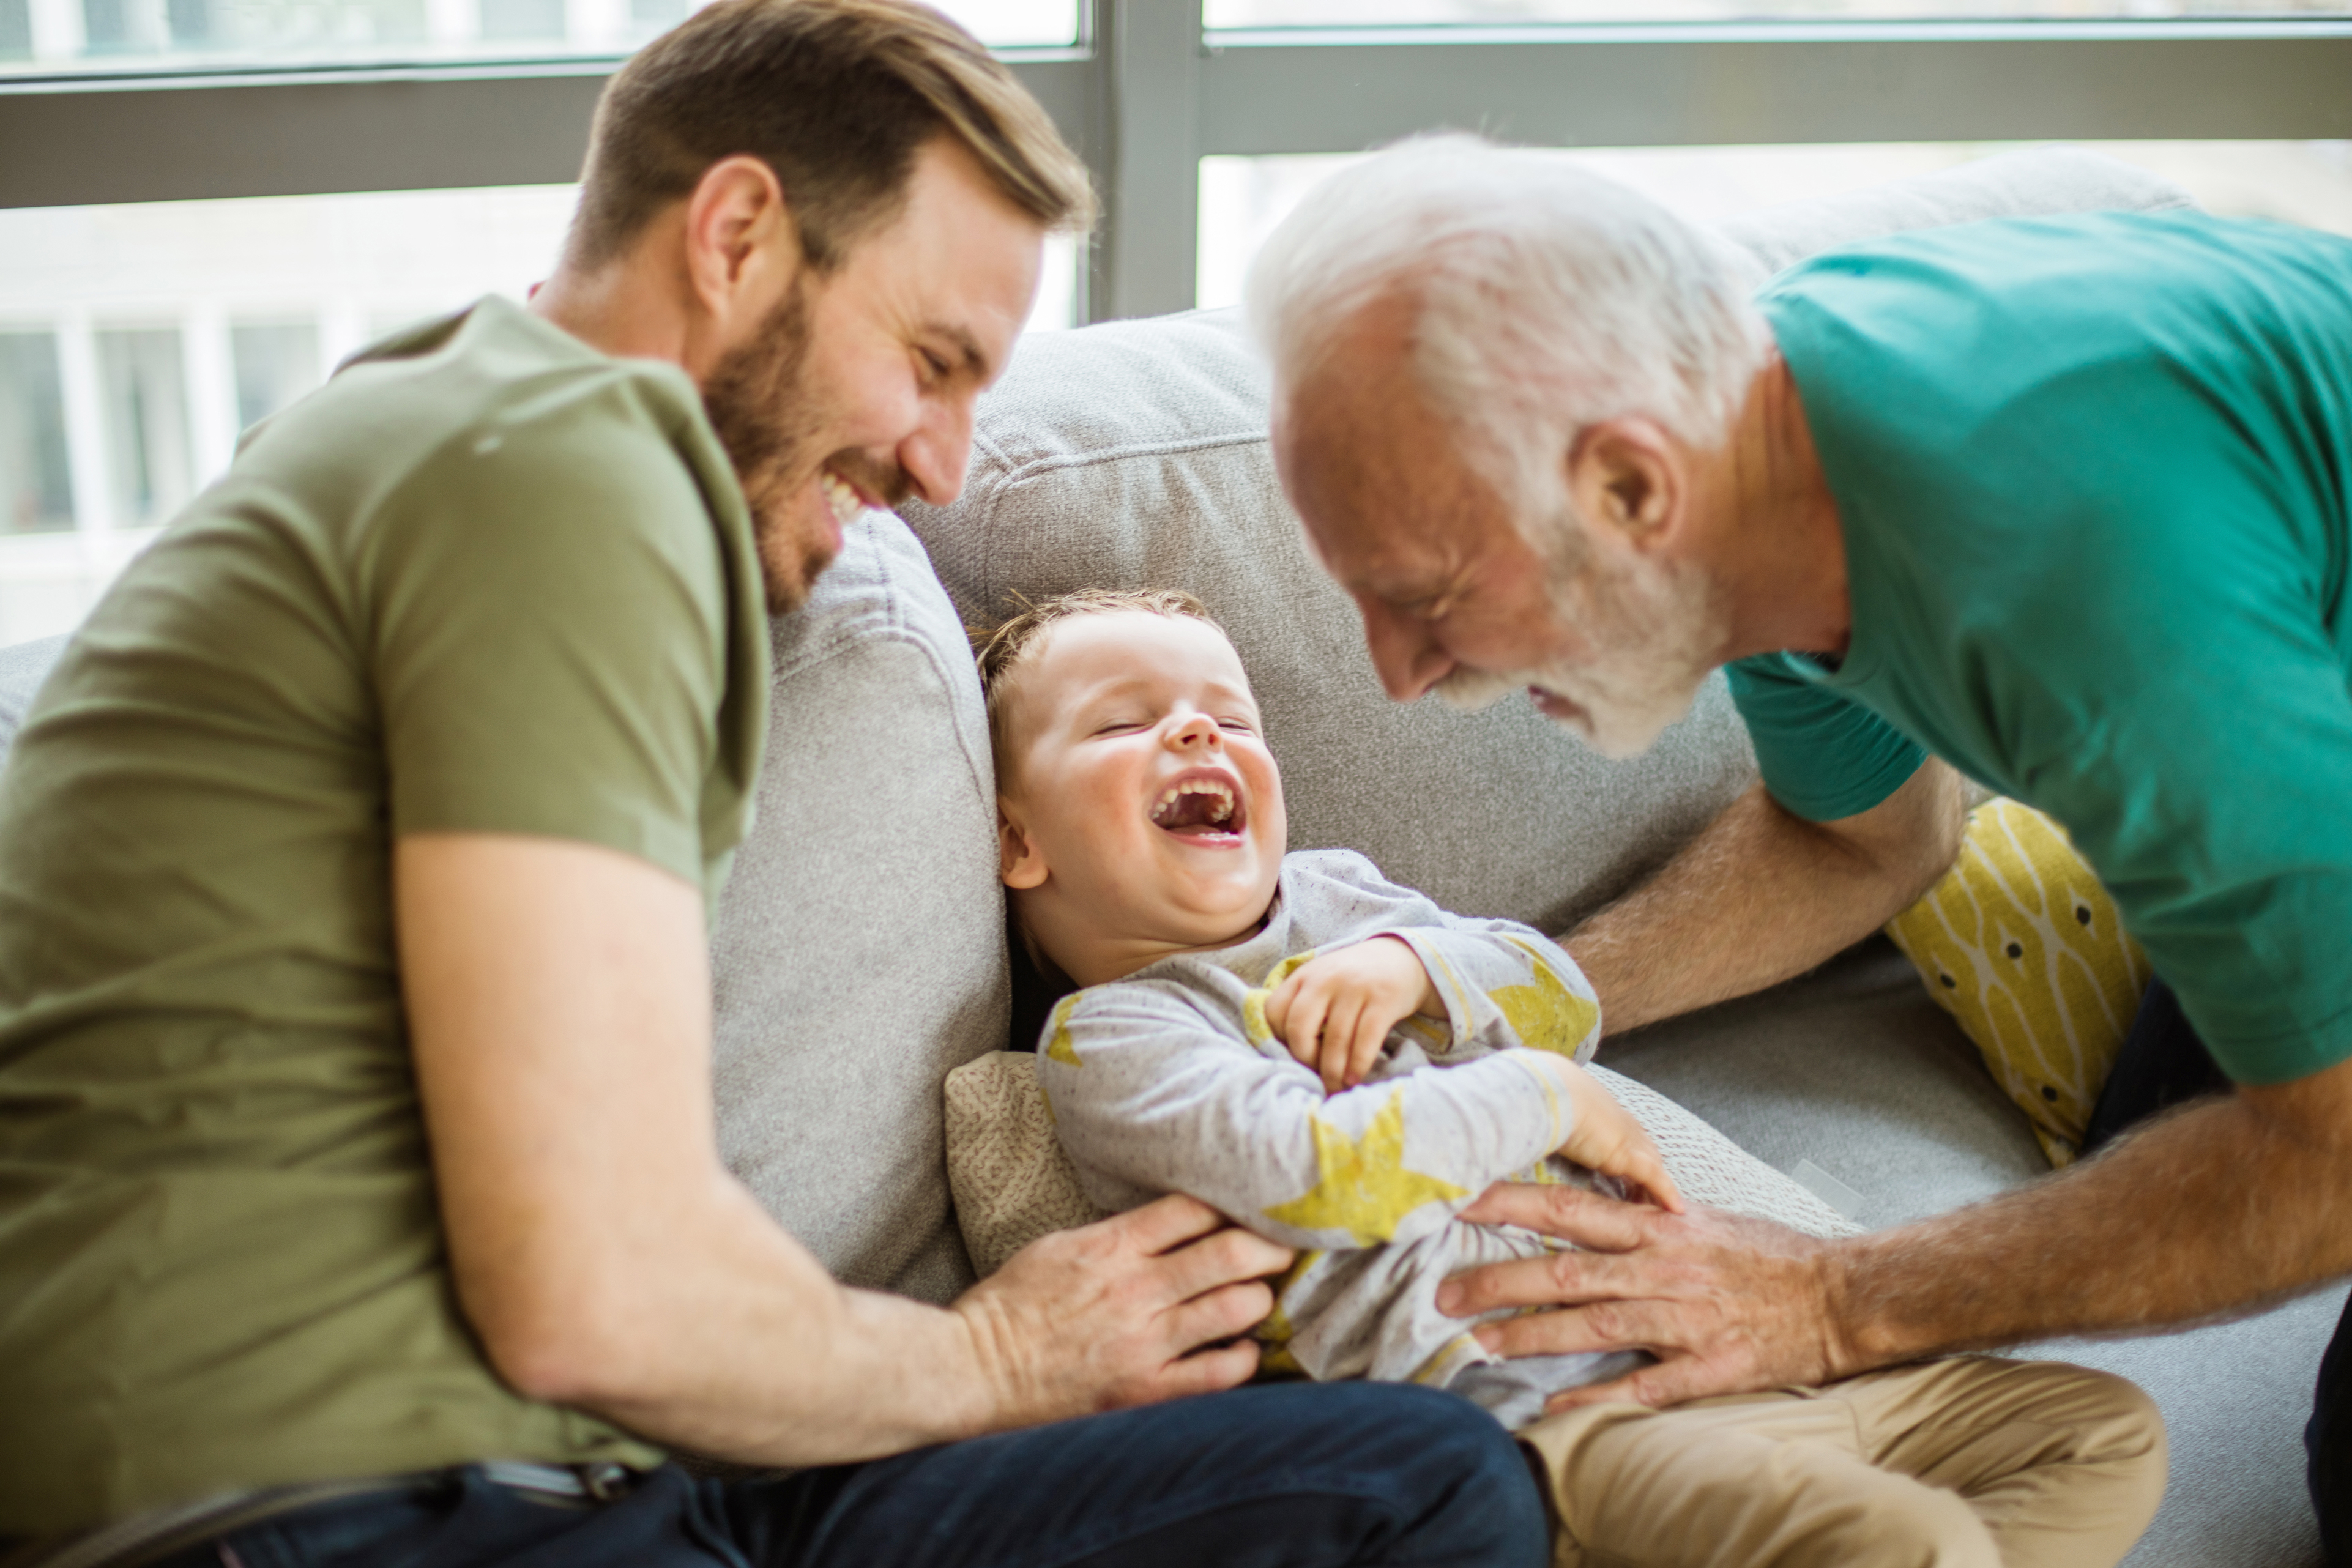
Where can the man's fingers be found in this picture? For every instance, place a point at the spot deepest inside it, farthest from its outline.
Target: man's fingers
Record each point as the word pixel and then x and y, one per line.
pixel 1167 1223
pixel 1606 1324
pixel 1587 1219
pixel 1207 1371
pixel 1230 1256
pixel 1218 1315
pixel 1563 1278
pixel 1664 1383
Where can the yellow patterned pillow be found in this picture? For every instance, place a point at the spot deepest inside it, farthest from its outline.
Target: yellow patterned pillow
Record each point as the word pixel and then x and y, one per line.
pixel 2021 945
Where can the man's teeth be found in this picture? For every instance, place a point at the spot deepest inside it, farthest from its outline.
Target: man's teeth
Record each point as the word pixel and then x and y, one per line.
pixel 842 498
pixel 1219 809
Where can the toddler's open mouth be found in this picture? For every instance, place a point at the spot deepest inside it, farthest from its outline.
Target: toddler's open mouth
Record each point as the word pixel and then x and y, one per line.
pixel 1203 807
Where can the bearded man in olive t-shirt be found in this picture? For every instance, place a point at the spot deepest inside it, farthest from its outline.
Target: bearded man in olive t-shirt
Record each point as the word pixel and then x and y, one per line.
pixel 359 1194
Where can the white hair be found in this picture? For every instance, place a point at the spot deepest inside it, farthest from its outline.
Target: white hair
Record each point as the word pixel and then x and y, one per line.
pixel 1547 297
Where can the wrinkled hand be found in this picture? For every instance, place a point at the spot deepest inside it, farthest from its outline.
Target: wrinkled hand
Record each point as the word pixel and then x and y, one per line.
pixel 1336 1009
pixel 1727 1304
pixel 1129 1311
pixel 1606 1138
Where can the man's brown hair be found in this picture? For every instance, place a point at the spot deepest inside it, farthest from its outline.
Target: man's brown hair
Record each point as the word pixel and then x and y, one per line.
pixel 998 649
pixel 836 97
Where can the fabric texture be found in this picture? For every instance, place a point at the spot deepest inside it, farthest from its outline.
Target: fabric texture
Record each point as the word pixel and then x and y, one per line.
pixel 858 954
pixel 1972 1462
pixel 2020 944
pixel 486 579
pixel 2094 475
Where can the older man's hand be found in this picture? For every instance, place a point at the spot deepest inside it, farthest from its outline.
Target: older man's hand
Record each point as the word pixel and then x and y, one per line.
pixel 1727 1304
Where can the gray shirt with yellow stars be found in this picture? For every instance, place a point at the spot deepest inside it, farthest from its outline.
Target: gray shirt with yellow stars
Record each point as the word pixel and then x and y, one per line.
pixel 1170 1080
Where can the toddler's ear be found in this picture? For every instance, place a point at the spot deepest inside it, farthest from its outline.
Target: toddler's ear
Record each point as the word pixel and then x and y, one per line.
pixel 1019 862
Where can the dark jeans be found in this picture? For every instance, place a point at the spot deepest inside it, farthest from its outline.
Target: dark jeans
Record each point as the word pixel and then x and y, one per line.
pixel 1284 1476
pixel 2163 1063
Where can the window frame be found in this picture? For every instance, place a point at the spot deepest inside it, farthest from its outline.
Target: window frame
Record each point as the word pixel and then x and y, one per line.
pixel 1145 94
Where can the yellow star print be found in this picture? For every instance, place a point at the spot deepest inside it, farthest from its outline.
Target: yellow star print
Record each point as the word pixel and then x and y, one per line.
pixel 1059 1045
pixel 1545 1015
pixel 1274 1333
pixel 1362 1186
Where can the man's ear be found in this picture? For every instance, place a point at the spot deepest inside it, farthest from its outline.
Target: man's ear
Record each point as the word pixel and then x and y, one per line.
pixel 1019 862
pixel 741 249
pixel 1626 477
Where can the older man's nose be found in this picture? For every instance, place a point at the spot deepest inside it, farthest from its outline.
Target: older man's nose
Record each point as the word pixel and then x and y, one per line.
pixel 1409 659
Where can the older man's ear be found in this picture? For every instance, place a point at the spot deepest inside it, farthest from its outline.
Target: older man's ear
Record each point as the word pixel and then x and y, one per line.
pixel 1627 477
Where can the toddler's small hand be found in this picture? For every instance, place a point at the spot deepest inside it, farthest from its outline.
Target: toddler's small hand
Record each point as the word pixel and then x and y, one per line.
pixel 1336 1009
pixel 1607 1139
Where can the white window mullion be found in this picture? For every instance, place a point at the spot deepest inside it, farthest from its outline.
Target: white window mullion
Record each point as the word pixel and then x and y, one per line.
pixel 58 30
pixel 85 410
pixel 212 389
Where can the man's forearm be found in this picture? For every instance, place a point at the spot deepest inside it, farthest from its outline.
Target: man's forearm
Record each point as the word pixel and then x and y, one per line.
pixel 1761 895
pixel 2221 1208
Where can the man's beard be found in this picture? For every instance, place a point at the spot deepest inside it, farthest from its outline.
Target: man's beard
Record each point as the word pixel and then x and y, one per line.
pixel 763 401
pixel 1654 628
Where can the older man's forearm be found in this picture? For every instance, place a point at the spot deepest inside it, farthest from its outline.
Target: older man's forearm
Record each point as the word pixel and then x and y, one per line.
pixel 2254 1191
pixel 1761 895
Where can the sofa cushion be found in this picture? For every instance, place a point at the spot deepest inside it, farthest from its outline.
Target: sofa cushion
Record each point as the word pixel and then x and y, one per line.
pixel 22 668
pixel 858 952
pixel 1134 454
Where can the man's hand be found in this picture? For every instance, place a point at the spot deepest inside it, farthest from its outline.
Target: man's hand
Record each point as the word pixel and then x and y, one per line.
pixel 1727 1304
pixel 1336 1009
pixel 1127 1312
pixel 2252 1194
pixel 1606 1138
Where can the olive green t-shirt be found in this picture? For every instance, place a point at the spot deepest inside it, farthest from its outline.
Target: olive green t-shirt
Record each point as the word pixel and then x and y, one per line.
pixel 2095 475
pixel 487 579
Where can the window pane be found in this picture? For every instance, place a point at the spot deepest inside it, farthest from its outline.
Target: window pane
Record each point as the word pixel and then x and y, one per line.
pixel 1242 199
pixel 151 471
pixel 35 488
pixel 276 363
pixel 108 35
pixel 1418 13
pixel 137 341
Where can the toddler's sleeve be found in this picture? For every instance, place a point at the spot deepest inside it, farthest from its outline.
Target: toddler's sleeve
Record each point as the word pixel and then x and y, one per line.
pixel 1507 985
pixel 1152 1091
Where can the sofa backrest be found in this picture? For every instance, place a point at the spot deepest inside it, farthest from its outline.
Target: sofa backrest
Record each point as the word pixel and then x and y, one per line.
pixel 1135 453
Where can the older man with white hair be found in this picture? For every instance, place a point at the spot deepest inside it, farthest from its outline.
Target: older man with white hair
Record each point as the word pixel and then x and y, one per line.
pixel 2062 505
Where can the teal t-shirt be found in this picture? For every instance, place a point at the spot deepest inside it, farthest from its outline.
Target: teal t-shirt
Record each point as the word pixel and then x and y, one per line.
pixel 2094 475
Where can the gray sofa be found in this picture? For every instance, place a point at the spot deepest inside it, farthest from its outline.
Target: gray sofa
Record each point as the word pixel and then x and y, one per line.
pixel 858 954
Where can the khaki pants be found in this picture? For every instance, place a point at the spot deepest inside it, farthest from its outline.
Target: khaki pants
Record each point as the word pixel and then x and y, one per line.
pixel 1973 1460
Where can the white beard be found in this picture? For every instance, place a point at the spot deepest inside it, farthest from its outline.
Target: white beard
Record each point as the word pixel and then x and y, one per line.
pixel 1654 628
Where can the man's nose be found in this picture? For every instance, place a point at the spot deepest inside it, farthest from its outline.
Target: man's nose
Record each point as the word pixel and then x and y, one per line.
pixel 936 453
pixel 1409 659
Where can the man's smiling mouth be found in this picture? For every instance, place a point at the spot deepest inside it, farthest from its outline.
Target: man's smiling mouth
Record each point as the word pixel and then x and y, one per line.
pixel 841 497
pixel 1201 807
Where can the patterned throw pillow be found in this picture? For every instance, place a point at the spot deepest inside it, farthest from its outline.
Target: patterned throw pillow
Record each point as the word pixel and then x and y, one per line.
pixel 2021 945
